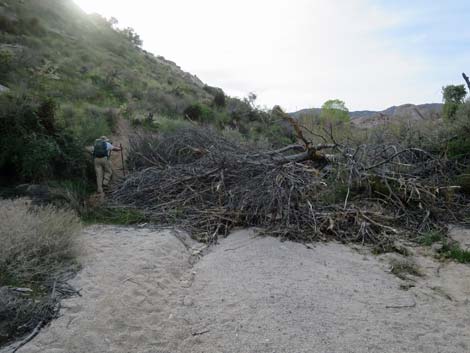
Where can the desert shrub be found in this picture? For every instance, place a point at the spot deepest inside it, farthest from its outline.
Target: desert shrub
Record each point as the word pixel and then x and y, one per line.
pixel 211 90
pixel 88 122
pixel 85 90
pixel 200 113
pixel 233 135
pixel 37 242
pixel 165 124
pixel 277 135
pixel 459 131
pixel 33 146
pixel 219 99
pixel 463 180
pixel 431 237
pixel 71 194
pixel 163 102
pixel 8 25
pixel 453 96
pixel 37 154
pixel 39 250
pixel 453 251
pixel 6 62
pixel 112 117
pixel 402 268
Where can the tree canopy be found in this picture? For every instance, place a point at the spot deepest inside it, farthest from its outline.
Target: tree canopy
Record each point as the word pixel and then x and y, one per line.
pixel 453 96
pixel 334 110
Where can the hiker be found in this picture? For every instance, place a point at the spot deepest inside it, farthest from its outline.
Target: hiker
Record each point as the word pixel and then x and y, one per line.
pixel 101 158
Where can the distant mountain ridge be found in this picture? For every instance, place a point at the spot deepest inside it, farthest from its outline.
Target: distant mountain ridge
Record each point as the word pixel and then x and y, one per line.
pixel 370 118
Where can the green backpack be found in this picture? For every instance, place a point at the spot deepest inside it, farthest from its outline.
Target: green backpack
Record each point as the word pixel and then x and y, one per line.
pixel 100 149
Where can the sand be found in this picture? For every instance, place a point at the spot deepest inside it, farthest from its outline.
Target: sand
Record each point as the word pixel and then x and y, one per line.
pixel 143 291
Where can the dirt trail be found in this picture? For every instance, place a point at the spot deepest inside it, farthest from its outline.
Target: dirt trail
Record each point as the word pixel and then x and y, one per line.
pixel 132 282
pixel 141 293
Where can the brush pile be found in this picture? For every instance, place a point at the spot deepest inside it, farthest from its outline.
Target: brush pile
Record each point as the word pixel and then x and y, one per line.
pixel 209 184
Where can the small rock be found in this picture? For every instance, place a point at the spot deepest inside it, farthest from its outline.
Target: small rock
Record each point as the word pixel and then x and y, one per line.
pixel 436 247
pixel 187 301
pixel 23 290
pixel 4 89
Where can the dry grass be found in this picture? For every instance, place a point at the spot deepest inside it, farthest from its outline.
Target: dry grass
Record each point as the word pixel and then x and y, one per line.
pixel 36 241
pixel 403 268
pixel 38 251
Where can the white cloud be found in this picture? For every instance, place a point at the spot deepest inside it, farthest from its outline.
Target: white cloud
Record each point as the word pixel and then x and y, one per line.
pixel 295 53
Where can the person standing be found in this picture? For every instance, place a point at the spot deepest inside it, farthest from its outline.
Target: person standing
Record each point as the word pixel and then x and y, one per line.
pixel 101 160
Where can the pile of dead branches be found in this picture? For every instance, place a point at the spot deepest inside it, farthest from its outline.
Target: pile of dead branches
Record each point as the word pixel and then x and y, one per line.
pixel 209 184
pixel 24 311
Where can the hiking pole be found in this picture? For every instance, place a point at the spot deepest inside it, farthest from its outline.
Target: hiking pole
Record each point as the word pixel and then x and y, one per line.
pixel 122 160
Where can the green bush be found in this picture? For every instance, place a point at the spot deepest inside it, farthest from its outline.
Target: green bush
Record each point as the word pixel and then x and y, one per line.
pixel 164 124
pixel 33 145
pixel 7 25
pixel 431 237
pixel 453 96
pixel 200 113
pixel 459 144
pixel 219 99
pixel 455 252
pixel 6 63
pixel 87 122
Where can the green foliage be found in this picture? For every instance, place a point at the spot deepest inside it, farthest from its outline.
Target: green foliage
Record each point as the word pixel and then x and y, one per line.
pixel 92 69
pixel 32 147
pixel 200 113
pixel 431 237
pixel 86 122
pixel 6 63
pixel 455 252
pixel 463 180
pixel 273 132
pixel 219 99
pixel 85 60
pixel 449 250
pixel 120 216
pixel 334 111
pixel 453 96
pixel 336 194
pixel 164 124
pixel 132 36
pixel 219 96
pixel 161 124
pixel 459 129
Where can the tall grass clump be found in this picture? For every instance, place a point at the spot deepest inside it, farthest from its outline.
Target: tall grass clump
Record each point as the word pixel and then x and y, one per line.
pixel 37 242
pixel 38 255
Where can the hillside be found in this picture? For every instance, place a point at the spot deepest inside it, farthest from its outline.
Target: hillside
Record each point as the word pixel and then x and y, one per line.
pixel 369 118
pixel 88 65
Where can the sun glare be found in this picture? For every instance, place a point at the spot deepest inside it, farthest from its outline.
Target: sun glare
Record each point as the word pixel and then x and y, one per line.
pixel 90 6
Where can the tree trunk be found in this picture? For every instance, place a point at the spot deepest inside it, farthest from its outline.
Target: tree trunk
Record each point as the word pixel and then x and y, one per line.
pixel 465 77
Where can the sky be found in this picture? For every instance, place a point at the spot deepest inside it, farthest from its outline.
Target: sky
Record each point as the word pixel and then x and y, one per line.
pixel 372 54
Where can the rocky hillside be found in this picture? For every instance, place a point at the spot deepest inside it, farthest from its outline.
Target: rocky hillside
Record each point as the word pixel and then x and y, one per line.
pixel 87 64
pixel 369 118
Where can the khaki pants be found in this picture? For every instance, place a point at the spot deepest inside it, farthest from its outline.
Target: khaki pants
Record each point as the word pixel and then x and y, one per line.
pixel 104 171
